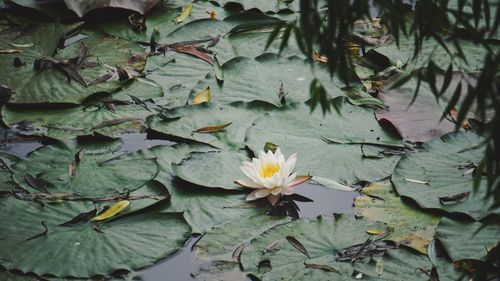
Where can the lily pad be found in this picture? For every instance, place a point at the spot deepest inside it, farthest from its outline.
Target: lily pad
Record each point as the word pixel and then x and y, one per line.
pixel 348 166
pixel 202 208
pixel 52 86
pixel 193 117
pixel 163 19
pixel 226 241
pixel 308 250
pixel 217 169
pixel 467 241
pixel 109 116
pixel 337 127
pixel 263 5
pixel 81 8
pixel 412 227
pixel 439 177
pixel 120 244
pixel 259 79
pixel 97 174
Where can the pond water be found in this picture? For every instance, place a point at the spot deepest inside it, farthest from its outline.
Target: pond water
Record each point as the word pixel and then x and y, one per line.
pixel 183 264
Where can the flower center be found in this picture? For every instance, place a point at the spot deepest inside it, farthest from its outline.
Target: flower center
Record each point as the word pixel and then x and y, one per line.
pixel 269 170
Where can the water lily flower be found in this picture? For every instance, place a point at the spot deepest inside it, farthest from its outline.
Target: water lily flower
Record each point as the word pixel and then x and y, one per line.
pixel 271 176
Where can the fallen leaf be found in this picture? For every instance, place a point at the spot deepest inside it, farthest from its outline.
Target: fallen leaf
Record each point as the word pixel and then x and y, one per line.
pixel 203 97
pixel 454 198
pixel 80 218
pixel 297 245
pixel 112 211
pixel 213 129
pixel 184 14
pixel 319 58
pixel 416 181
pixel 27 45
pixel 10 51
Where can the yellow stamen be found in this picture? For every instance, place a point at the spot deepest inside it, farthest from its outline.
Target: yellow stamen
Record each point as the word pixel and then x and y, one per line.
pixel 269 170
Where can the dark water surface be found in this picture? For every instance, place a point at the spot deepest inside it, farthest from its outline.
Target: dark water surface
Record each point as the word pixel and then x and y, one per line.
pixel 183 264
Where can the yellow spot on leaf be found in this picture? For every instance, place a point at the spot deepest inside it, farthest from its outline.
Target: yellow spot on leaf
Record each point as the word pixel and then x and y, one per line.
pixel 203 97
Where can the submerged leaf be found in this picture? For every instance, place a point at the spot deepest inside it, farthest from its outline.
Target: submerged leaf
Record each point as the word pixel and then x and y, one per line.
pixel 112 211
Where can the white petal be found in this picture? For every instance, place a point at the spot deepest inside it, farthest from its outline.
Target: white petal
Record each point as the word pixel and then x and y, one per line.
pixel 259 193
pixel 276 190
pixel 247 183
pixel 290 163
pixel 289 179
pixel 250 173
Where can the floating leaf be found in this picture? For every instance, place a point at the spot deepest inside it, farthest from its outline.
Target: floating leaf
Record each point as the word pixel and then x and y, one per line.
pixel 444 178
pixel 112 211
pixel 203 96
pixel 81 8
pixel 184 14
pixel 219 73
pixel 212 129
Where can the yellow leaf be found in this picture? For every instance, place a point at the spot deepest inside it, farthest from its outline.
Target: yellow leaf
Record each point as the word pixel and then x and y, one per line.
pixel 185 13
pixel 375 231
pixel 213 129
pixel 203 97
pixel 112 211
pixel 213 14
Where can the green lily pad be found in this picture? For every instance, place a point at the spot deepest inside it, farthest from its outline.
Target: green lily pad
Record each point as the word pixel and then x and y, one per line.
pixel 276 254
pixel 260 79
pixel 467 241
pixel 225 241
pixel 411 226
pixel 439 177
pixel 348 165
pixel 298 120
pixel 52 86
pixel 88 119
pixel 177 74
pixel 264 5
pixel 202 208
pixel 218 169
pixel 120 244
pixel 194 117
pixel 97 174
pixel 163 19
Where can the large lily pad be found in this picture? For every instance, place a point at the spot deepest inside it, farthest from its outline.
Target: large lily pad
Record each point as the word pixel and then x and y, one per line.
pixel 467 241
pixel 52 86
pixel 264 5
pixel 259 79
pixel 163 19
pixel 195 117
pixel 348 164
pixel 217 169
pixel 225 241
pixel 322 240
pixel 120 244
pixel 97 174
pixel 96 117
pixel 411 226
pixel 439 177
pixel 298 120
pixel 202 208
